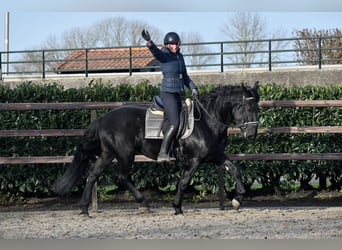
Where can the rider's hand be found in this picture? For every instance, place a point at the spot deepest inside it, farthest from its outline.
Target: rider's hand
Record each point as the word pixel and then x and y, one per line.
pixel 194 93
pixel 146 35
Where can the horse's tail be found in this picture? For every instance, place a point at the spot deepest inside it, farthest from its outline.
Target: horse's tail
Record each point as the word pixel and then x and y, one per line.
pixel 85 153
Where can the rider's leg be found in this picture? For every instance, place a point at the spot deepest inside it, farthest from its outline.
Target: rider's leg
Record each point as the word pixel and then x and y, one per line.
pixel 172 106
pixel 167 141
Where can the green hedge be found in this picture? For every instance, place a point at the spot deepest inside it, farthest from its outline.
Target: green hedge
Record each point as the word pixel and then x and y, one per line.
pixel 35 179
pixel 279 175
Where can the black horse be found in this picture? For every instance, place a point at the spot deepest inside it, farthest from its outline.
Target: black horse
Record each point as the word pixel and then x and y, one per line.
pixel 119 134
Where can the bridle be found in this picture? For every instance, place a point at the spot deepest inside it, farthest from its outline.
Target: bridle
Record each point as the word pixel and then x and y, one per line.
pixel 242 126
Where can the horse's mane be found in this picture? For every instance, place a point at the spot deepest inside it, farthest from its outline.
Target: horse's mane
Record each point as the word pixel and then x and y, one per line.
pixel 221 93
pixel 218 94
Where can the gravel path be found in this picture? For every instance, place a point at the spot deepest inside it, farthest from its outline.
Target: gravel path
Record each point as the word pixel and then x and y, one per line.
pixel 196 223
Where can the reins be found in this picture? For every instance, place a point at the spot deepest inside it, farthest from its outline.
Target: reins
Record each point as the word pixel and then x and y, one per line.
pixel 197 101
pixel 242 125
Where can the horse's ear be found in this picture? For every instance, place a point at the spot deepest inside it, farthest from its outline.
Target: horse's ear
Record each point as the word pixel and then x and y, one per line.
pixel 243 86
pixel 255 90
pixel 256 85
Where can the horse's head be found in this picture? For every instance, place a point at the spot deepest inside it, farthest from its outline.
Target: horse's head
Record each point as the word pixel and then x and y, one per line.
pixel 245 111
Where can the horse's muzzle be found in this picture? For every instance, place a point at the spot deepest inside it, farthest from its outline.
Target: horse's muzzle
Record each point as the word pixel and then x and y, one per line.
pixel 249 136
pixel 249 130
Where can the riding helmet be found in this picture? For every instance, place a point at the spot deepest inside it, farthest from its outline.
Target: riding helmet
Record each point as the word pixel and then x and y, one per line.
pixel 172 37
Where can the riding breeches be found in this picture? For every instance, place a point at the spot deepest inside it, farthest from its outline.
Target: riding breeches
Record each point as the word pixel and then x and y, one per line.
pixel 172 107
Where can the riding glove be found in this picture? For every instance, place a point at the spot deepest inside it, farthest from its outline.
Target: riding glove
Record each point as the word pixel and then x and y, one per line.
pixel 194 93
pixel 146 35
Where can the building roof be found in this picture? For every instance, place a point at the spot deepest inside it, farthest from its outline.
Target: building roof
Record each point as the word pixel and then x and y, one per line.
pixel 113 59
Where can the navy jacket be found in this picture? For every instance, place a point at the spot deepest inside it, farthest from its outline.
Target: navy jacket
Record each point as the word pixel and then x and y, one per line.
pixel 174 71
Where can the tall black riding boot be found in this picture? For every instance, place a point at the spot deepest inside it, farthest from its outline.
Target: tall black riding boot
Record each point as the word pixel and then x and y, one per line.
pixel 164 149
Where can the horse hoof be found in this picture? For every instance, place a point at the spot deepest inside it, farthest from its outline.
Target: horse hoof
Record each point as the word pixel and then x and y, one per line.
pixel 236 204
pixel 85 215
pixel 178 212
pixel 144 210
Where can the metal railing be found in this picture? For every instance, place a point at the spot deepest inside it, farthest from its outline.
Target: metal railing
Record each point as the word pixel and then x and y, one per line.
pixel 218 56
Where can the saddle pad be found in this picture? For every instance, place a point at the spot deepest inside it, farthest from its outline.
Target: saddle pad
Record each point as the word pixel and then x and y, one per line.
pixel 154 121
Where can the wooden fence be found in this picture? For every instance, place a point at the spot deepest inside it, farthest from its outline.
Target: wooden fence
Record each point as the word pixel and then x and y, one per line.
pixel 140 158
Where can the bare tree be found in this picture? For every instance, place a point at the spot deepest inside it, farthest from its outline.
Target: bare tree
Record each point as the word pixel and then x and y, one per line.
pixel 310 41
pixel 243 31
pixel 244 27
pixel 199 52
pixel 78 38
pixel 134 33
pixel 110 32
pixel 30 62
pixel 54 50
pixel 118 31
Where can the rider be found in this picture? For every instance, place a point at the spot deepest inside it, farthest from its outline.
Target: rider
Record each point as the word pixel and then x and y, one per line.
pixel 175 76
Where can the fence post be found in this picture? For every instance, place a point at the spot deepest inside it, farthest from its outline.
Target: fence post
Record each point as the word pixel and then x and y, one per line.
pixel 43 66
pixel 94 190
pixel 0 66
pixel 270 55
pixel 320 52
pixel 130 61
pixel 86 64
pixel 221 57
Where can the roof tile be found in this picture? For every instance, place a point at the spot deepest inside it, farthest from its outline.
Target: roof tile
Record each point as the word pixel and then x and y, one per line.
pixel 105 59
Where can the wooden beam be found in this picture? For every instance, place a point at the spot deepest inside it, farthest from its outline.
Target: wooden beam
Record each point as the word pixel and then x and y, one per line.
pixel 142 158
pixel 286 156
pixel 66 105
pixel 42 132
pixel 110 105
pixel 80 132
pixel 53 159
pixel 36 159
pixel 293 130
pixel 301 130
pixel 304 103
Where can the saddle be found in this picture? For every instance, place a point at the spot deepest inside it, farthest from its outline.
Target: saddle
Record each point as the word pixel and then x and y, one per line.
pixel 154 120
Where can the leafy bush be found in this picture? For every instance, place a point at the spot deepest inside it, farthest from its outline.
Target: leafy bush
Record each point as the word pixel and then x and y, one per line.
pixel 35 179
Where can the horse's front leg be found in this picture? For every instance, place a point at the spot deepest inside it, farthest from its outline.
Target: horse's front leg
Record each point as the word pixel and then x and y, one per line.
pixel 240 188
pixel 182 185
pixel 99 166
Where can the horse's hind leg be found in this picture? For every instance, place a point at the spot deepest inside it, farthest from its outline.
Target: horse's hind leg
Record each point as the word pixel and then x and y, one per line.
pixel 240 188
pixel 100 165
pixel 123 175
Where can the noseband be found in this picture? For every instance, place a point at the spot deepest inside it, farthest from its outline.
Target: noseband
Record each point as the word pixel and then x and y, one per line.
pixel 244 124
